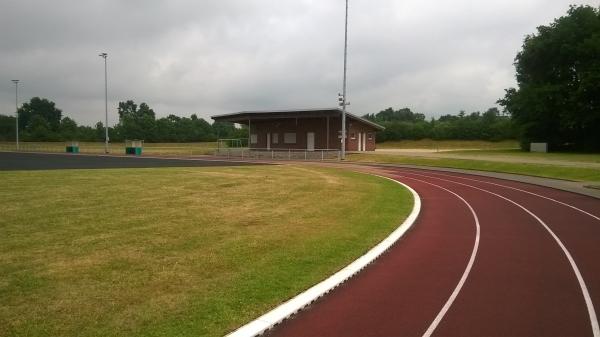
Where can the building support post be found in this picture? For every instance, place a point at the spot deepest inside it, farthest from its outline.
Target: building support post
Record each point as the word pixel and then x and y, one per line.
pixel 327 132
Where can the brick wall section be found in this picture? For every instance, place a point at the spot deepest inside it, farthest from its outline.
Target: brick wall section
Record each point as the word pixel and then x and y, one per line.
pixel 301 126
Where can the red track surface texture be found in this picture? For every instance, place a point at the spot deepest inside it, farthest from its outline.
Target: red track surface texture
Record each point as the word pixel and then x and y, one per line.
pixel 535 266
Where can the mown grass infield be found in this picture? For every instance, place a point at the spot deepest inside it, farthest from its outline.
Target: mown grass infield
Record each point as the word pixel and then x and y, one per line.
pixel 177 251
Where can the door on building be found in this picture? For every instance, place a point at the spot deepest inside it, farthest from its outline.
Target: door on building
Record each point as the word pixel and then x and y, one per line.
pixel 268 141
pixel 310 141
pixel 364 141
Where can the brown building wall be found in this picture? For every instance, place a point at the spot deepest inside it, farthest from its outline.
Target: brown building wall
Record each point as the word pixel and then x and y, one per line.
pixel 301 126
pixel 356 133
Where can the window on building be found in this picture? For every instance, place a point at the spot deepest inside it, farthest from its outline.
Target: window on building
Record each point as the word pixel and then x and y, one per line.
pixel 352 135
pixel 370 135
pixel 253 138
pixel 275 138
pixel 289 138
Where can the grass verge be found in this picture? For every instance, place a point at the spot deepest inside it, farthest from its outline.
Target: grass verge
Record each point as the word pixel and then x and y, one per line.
pixel 153 149
pixel 518 154
pixel 539 170
pixel 177 251
pixel 448 144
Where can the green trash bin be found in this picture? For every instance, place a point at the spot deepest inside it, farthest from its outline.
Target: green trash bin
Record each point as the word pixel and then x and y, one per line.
pixel 72 147
pixel 134 147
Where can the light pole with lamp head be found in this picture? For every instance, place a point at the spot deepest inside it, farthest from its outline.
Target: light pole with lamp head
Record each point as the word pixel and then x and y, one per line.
pixel 343 101
pixel 104 55
pixel 16 82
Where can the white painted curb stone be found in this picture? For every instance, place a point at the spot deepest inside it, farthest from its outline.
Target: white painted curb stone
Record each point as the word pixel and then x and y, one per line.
pixel 287 309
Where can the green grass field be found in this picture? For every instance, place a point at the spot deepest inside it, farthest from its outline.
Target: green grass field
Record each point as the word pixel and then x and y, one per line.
pixel 448 144
pixel 541 170
pixel 155 149
pixel 177 251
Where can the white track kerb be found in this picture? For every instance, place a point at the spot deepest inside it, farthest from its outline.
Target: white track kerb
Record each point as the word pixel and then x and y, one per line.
pixel 287 309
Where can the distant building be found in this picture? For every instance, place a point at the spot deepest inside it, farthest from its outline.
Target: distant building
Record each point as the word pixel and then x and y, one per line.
pixel 311 129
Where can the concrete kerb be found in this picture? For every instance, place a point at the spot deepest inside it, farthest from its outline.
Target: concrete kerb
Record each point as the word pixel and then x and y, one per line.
pixel 297 303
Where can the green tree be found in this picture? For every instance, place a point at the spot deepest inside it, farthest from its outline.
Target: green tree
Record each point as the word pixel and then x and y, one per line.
pixel 38 129
pixel 42 107
pixel 68 129
pixel 87 134
pixel 391 115
pixel 99 132
pixel 7 128
pixel 558 76
pixel 137 123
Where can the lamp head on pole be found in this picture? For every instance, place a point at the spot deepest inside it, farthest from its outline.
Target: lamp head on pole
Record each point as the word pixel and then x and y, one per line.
pixel 103 55
pixel 15 81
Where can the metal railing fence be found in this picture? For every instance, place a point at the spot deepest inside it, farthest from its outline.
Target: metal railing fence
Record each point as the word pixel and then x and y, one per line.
pixel 279 154
pixel 190 149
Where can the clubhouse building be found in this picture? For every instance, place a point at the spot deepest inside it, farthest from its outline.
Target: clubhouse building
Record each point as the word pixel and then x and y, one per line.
pixel 310 129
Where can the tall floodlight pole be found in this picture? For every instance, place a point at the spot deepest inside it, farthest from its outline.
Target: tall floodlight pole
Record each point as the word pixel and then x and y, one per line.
pixel 16 82
pixel 344 101
pixel 104 55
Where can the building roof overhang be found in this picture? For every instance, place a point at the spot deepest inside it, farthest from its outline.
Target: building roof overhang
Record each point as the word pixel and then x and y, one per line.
pixel 243 117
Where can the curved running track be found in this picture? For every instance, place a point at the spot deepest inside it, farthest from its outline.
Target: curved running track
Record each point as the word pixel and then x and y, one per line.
pixel 486 257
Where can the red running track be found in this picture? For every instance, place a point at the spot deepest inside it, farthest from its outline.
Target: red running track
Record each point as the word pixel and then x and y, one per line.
pixel 535 266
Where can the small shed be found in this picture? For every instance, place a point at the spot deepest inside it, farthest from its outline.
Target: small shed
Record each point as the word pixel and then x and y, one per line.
pixel 310 129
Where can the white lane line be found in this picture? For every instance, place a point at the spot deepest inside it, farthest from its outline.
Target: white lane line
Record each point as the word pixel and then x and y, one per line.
pixel 289 308
pixel 517 189
pixel 586 295
pixel 465 274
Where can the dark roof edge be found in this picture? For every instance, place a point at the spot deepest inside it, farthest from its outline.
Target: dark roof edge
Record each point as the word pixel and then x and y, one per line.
pixel 351 115
pixel 273 111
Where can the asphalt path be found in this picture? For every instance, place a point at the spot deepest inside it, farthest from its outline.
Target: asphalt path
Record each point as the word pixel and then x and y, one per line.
pixel 55 161
pixel 486 257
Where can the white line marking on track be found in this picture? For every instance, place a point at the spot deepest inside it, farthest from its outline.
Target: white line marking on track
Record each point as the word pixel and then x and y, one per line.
pixel 465 274
pixel 518 189
pixel 582 285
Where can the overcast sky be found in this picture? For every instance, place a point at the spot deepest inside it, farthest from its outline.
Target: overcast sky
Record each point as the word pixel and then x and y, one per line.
pixel 220 56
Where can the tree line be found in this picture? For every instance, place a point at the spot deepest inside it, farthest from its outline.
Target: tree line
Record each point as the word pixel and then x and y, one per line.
pixel 41 120
pixel 405 124
pixel 557 100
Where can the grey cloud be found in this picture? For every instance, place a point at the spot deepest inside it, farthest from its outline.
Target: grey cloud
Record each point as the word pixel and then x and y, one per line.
pixel 210 57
